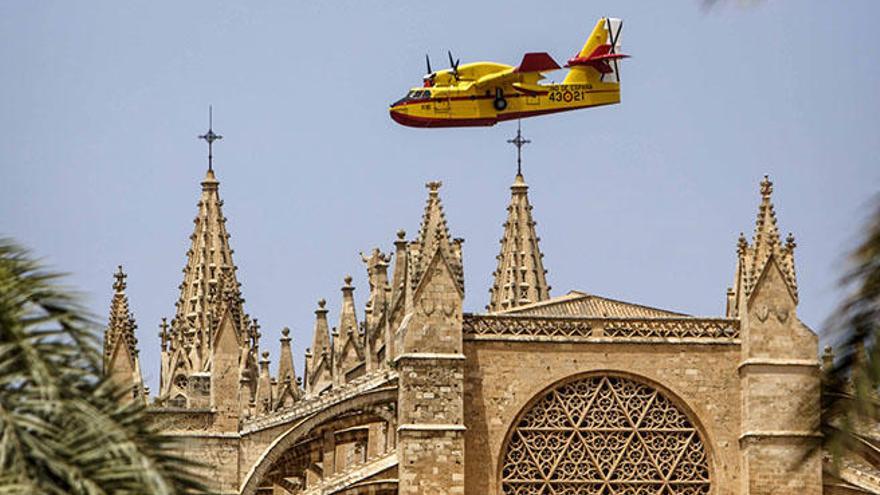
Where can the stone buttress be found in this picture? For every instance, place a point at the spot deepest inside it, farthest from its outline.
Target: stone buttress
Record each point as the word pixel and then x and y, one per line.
pixel 779 372
pixel 430 362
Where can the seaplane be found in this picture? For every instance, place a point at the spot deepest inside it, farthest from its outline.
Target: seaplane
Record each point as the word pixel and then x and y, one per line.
pixel 485 93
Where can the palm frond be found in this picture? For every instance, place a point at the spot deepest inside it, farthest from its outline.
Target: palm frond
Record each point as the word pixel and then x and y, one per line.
pixel 850 404
pixel 63 428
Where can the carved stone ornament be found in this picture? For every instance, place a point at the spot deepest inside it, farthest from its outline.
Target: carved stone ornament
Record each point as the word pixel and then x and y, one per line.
pixel 781 315
pixel 602 435
pixel 762 312
pixel 428 306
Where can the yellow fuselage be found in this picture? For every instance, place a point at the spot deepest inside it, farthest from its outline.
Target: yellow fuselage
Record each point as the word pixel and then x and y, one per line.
pixel 461 103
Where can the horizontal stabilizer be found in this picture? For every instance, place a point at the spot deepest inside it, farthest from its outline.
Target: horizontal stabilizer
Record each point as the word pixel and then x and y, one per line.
pixel 599 62
pixel 537 62
pixel 599 59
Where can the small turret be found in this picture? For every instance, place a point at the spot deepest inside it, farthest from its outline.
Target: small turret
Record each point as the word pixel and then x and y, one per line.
pixel 319 365
pixel 264 386
pixel 285 360
pixel 121 362
pixel 378 305
pixel 348 350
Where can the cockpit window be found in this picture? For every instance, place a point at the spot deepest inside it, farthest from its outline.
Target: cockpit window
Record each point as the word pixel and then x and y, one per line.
pixel 416 94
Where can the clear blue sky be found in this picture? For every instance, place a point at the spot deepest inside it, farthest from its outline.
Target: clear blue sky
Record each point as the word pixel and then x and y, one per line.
pixel 101 102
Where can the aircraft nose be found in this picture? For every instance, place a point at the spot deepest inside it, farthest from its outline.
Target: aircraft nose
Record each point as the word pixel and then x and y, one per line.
pixel 400 116
pixel 396 114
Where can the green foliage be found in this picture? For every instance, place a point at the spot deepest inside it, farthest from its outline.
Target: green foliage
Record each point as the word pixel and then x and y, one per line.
pixel 63 429
pixel 850 401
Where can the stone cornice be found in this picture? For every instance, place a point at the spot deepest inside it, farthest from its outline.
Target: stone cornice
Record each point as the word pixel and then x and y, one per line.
pixel 430 427
pixel 779 434
pixel 774 362
pixel 430 356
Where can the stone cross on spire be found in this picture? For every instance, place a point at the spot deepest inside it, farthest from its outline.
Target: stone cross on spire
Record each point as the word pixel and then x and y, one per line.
pixel 519 142
pixel 120 276
pixel 210 137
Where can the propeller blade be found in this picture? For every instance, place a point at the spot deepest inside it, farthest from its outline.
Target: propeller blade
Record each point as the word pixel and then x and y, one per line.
pixel 453 64
pixel 428 63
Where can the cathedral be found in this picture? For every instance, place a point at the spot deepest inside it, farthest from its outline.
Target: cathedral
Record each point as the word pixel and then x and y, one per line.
pixel 570 394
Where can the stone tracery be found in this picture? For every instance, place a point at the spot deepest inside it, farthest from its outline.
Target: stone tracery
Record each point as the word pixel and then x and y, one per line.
pixel 604 435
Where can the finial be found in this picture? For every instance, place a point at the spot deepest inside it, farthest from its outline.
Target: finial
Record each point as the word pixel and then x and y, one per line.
pixel 210 137
pixel 789 242
pixel 163 333
pixel 741 244
pixel 766 187
pixel 347 281
pixel 120 276
pixel 433 186
pixel 401 234
pixel 321 303
pixel 519 142
pixel 285 331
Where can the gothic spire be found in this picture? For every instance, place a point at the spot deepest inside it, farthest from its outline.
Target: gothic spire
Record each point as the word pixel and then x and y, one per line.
pixel 520 277
pixel 752 258
pixel 121 360
pixel 434 236
pixel 209 277
pixel 209 291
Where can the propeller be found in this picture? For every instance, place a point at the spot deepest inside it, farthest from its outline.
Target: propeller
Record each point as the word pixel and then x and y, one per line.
pixel 453 64
pixel 428 63
pixel 613 39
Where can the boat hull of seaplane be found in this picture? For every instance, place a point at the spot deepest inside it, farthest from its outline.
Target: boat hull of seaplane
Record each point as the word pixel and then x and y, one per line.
pixel 479 111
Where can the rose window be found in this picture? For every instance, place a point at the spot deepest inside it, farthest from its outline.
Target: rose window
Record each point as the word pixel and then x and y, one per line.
pixel 604 435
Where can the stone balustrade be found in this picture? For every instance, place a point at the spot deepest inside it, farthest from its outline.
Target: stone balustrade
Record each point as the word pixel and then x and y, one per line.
pixel 580 329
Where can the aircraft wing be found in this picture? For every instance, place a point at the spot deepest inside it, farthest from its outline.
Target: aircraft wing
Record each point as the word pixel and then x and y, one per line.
pixel 531 63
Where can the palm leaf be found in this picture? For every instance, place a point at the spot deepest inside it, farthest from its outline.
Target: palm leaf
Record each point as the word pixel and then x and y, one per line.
pixel 850 404
pixel 63 429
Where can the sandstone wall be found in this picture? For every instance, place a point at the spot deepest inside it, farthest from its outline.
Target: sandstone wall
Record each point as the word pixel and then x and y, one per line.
pixel 502 377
